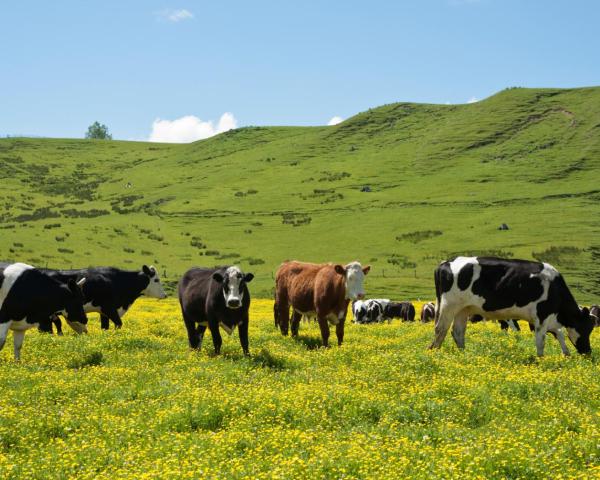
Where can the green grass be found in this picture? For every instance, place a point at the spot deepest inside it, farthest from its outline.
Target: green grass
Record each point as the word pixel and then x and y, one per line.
pixel 443 178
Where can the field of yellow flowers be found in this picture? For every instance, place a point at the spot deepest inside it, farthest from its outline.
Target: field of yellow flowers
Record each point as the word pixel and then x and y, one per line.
pixel 137 403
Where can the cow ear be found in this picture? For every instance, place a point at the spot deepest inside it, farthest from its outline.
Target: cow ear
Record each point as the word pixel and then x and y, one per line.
pixel 217 277
pixel 146 270
pixel 366 269
pixel 585 312
pixel 248 277
pixel 152 270
pixel 339 269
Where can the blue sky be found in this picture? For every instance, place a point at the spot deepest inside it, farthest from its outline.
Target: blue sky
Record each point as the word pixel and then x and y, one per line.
pixel 141 65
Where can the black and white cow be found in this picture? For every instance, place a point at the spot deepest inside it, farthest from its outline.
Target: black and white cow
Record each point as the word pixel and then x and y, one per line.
pixel 28 297
pixel 427 312
pixel 497 288
pixel 213 298
pixel 369 311
pixel 402 310
pixel 110 291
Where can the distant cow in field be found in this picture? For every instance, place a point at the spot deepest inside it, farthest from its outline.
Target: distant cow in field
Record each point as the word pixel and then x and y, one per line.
pixel 28 297
pixel 110 291
pixel 403 310
pixel 369 311
pixel 213 298
pixel 427 312
pixel 595 314
pixel 321 290
pixel 496 288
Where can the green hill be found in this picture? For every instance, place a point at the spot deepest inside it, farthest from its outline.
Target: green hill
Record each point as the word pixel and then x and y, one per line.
pixel 442 179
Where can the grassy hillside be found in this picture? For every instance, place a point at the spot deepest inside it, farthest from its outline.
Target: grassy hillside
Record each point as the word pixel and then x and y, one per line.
pixel 443 178
pixel 137 403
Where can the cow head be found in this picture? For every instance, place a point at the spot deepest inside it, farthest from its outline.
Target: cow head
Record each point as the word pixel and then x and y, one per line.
pixel 154 288
pixel 354 274
pixel 580 334
pixel 74 305
pixel 233 282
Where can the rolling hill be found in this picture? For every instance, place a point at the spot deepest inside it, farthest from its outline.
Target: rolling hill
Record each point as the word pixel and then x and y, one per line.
pixel 442 178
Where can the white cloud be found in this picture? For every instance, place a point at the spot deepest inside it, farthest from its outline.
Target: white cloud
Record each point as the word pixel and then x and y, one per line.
pixel 174 16
pixel 473 100
pixel 335 120
pixel 189 128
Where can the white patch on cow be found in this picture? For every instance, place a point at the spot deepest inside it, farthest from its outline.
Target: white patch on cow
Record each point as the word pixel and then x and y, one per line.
pixel 458 263
pixel 11 273
pixel 154 288
pixel 354 281
pixel 233 296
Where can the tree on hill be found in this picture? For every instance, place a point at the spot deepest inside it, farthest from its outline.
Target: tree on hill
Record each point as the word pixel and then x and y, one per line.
pixel 99 131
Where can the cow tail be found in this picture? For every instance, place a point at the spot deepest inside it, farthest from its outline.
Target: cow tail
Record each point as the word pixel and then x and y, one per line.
pixel 437 276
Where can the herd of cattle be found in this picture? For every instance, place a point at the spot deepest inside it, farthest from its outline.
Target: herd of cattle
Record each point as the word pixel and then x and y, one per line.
pixel 467 289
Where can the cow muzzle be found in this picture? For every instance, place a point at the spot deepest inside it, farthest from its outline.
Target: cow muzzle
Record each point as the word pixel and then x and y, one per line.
pixel 234 303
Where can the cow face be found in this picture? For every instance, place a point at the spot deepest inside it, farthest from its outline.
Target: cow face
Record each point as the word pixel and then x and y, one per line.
pixel 580 335
pixel 74 305
pixel 355 276
pixel 233 283
pixel 154 288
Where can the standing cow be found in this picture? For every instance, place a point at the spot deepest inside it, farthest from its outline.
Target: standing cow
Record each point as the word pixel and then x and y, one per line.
pixel 496 288
pixel 213 297
pixel 427 312
pixel 110 291
pixel 321 290
pixel 28 297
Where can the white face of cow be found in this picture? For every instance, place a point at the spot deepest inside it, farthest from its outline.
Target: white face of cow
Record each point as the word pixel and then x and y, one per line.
pixel 233 283
pixel 154 288
pixel 355 277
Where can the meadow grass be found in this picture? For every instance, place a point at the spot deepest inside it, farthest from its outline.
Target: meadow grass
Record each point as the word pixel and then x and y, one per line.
pixel 137 403
pixel 442 179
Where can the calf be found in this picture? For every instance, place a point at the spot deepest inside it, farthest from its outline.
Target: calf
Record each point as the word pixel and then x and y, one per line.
pixel 28 297
pixel 427 312
pixel 369 311
pixel 213 297
pixel 403 310
pixel 321 290
pixel 496 288
pixel 111 291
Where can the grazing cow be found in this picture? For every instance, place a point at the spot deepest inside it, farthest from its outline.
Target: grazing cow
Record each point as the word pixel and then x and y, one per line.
pixel 111 291
pixel 28 297
pixel 403 310
pixel 427 312
pixel 496 288
pixel 213 297
pixel 321 290
pixel 595 314
pixel 369 311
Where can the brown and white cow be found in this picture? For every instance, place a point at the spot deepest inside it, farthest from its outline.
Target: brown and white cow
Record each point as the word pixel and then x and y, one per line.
pixel 322 290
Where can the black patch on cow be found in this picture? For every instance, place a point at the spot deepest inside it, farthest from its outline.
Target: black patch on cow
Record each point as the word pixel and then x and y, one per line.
pixel 506 283
pixel 465 276
pixel 443 279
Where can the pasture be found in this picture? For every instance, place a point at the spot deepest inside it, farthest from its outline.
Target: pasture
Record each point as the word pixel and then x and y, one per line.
pixel 137 403
pixel 442 179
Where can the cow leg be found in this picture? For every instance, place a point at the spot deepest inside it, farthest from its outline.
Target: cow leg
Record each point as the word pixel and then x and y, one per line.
pixel 4 326
pixel 443 321
pixel 58 324
pixel 459 327
pixel 296 317
pixel 514 324
pixel 113 315
pixel 213 325
pixel 104 321
pixel 324 326
pixel 284 316
pixel 339 331
pixel 194 338
pixel 503 325
pixel 243 332
pixel 560 336
pixel 540 339
pixel 18 337
pixel 276 314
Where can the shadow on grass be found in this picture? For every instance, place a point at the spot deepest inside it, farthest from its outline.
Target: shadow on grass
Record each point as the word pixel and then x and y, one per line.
pixel 311 343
